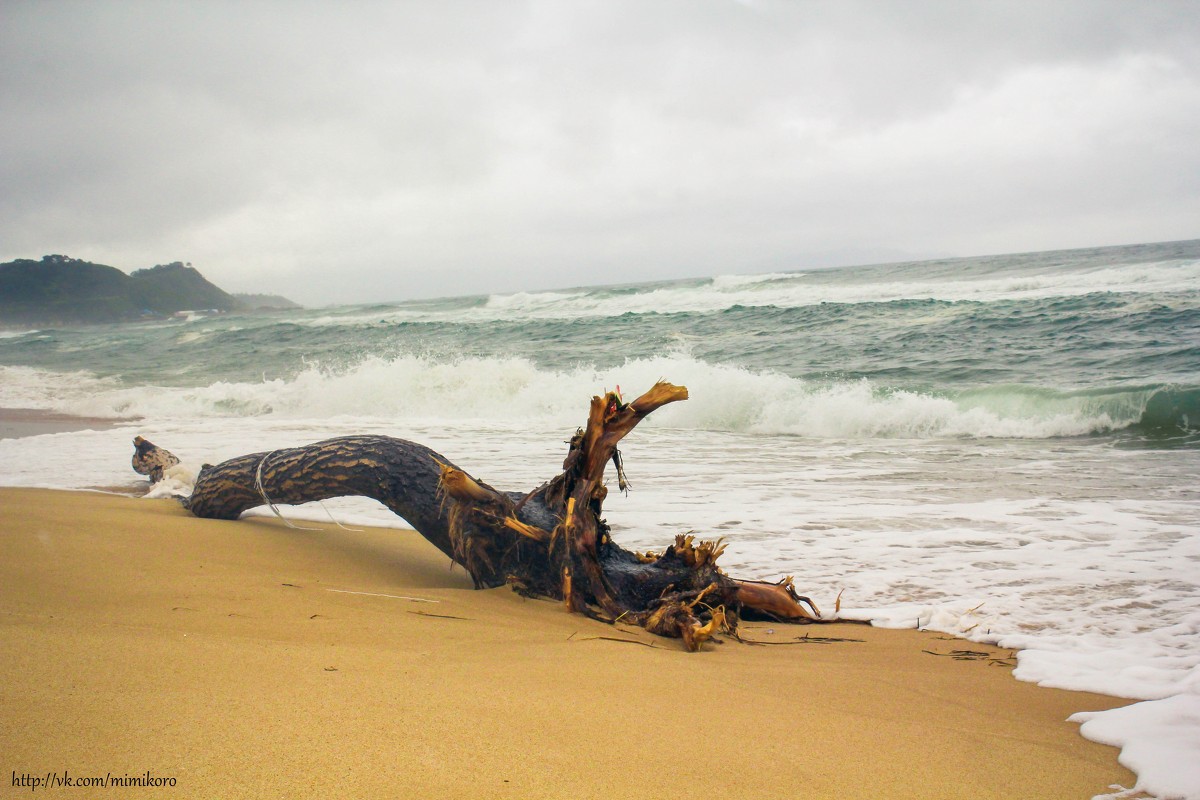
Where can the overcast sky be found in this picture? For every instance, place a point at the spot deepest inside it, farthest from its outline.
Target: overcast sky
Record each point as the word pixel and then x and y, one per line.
pixel 352 151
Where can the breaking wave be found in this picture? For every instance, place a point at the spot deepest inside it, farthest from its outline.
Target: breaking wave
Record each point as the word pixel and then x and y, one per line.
pixel 723 398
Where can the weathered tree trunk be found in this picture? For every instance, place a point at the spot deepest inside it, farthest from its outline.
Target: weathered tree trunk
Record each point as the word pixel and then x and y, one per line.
pixel 551 542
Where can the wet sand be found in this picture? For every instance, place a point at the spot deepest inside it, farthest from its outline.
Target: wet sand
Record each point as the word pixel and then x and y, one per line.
pixel 19 422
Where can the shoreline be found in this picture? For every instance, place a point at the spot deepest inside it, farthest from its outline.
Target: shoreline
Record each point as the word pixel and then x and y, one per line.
pixel 244 658
pixel 18 423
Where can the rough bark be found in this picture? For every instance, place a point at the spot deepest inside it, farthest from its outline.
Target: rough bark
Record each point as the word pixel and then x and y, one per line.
pixel 550 542
pixel 151 460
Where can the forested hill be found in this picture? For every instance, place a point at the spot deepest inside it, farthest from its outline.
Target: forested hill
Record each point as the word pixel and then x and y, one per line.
pixel 59 290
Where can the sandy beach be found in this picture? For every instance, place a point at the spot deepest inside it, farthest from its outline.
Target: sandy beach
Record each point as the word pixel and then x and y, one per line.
pixel 247 659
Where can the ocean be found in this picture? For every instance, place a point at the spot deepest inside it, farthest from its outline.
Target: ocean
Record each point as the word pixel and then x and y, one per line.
pixel 1004 447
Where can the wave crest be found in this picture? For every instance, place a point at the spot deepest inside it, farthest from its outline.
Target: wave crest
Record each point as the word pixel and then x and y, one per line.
pixel 799 289
pixel 723 398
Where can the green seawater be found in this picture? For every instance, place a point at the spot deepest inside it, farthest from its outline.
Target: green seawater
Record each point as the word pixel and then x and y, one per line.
pixel 1101 334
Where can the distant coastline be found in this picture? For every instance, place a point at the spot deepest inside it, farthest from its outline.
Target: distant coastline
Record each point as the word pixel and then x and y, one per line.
pixel 60 290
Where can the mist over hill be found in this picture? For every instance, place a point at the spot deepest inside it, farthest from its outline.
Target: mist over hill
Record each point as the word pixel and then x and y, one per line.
pixel 60 290
pixel 265 302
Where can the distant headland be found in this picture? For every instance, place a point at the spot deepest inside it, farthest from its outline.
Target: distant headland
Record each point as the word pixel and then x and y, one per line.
pixel 60 290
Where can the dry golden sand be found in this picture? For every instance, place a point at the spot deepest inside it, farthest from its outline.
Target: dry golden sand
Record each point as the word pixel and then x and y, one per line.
pixel 231 657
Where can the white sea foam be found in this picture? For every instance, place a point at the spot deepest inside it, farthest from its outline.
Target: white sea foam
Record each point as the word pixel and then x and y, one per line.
pixel 725 398
pixel 30 387
pixel 1159 741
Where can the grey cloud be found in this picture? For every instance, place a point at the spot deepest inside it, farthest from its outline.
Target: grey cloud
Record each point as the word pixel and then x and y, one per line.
pixel 374 150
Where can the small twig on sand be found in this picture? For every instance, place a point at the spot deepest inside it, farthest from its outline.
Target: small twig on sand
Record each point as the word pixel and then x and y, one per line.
pixel 612 639
pixel 805 639
pixel 439 616
pixel 377 594
pixel 963 655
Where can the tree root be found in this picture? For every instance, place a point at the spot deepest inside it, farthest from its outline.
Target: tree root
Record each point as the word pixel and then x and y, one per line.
pixel 551 542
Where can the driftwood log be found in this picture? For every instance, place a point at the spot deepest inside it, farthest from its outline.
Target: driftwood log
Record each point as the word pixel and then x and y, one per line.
pixel 551 542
